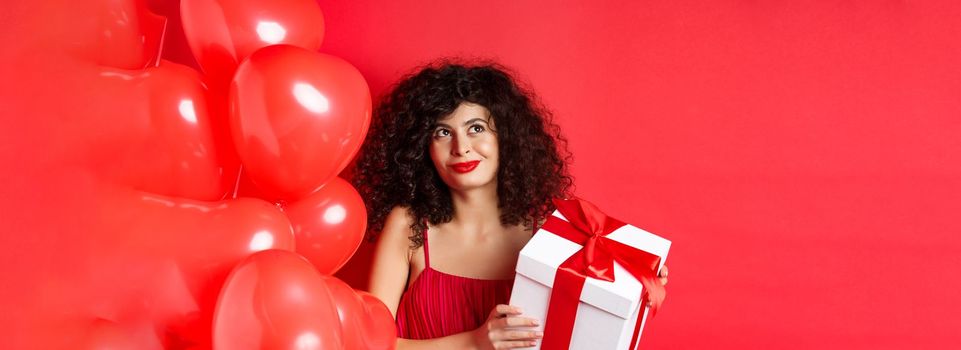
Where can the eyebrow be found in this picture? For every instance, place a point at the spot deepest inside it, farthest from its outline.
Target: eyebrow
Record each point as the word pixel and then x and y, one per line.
pixel 471 121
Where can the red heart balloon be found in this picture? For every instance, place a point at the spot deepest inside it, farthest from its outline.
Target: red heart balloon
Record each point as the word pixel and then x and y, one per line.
pixel 151 129
pixel 125 255
pixel 276 300
pixel 365 321
pixel 297 118
pixel 329 224
pixel 83 249
pixel 222 33
pixel 79 78
pixel 112 33
pixel 174 254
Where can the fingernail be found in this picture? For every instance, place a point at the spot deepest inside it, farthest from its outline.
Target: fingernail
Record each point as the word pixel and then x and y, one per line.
pixel 518 310
pixel 535 323
pixel 538 334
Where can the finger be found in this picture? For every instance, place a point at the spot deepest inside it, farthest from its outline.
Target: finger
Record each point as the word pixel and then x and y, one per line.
pixel 662 275
pixel 510 335
pixel 514 322
pixel 521 322
pixel 504 309
pixel 499 310
pixel 514 344
pixel 521 335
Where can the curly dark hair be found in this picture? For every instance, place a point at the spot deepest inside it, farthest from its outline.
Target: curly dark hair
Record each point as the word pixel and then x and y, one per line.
pixel 394 166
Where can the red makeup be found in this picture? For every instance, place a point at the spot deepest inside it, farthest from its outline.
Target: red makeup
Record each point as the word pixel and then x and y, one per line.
pixel 464 167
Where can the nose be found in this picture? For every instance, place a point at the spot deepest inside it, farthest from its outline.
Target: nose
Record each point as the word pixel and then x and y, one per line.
pixel 460 146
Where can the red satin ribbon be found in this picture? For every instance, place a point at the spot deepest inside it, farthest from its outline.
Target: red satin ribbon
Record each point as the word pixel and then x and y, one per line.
pixel 588 226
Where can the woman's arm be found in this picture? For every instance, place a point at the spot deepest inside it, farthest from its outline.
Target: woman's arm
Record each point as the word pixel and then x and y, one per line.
pixel 391 264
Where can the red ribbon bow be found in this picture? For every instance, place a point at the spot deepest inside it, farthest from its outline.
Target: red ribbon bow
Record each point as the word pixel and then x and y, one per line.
pixel 589 227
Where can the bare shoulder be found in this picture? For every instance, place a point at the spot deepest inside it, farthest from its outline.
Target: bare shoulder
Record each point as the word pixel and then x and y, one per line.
pixel 396 233
pixel 398 218
pixel 391 263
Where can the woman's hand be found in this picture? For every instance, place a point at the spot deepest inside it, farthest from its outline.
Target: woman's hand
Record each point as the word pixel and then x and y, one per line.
pixel 662 276
pixel 505 329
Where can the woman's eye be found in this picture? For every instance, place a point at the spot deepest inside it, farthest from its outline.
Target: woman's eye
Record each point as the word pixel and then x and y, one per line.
pixel 476 128
pixel 441 133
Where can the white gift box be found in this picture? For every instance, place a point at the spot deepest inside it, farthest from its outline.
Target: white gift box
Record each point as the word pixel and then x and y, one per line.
pixel 608 311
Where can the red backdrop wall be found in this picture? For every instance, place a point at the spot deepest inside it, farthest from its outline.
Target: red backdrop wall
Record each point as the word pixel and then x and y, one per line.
pixel 802 156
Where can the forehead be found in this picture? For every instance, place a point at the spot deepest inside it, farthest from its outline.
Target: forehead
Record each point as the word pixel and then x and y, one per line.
pixel 465 112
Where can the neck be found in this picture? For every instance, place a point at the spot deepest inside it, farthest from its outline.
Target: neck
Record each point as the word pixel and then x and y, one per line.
pixel 476 208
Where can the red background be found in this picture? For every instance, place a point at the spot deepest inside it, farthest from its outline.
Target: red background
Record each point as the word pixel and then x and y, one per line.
pixel 803 156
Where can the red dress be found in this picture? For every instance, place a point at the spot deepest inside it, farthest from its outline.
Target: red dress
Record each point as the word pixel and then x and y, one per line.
pixel 438 304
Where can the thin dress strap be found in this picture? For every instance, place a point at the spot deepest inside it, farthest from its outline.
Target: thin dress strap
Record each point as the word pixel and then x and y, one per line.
pixel 426 250
pixel 438 304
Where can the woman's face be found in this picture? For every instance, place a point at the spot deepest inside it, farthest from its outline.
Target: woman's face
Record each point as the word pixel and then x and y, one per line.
pixel 464 148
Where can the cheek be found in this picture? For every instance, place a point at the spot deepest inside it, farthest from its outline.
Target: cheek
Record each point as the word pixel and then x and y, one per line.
pixel 436 152
pixel 487 147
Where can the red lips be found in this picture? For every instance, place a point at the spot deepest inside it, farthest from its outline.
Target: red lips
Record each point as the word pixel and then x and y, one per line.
pixel 465 167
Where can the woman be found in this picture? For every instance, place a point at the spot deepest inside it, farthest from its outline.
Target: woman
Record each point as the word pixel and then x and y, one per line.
pixel 459 166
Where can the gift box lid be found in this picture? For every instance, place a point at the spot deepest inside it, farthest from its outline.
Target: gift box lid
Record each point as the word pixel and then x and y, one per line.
pixel 540 258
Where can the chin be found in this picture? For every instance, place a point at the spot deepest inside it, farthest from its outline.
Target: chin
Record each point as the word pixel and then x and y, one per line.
pixel 465 184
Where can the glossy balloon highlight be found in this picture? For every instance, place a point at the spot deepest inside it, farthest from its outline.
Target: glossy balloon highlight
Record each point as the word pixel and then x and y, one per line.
pixel 329 224
pixel 297 118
